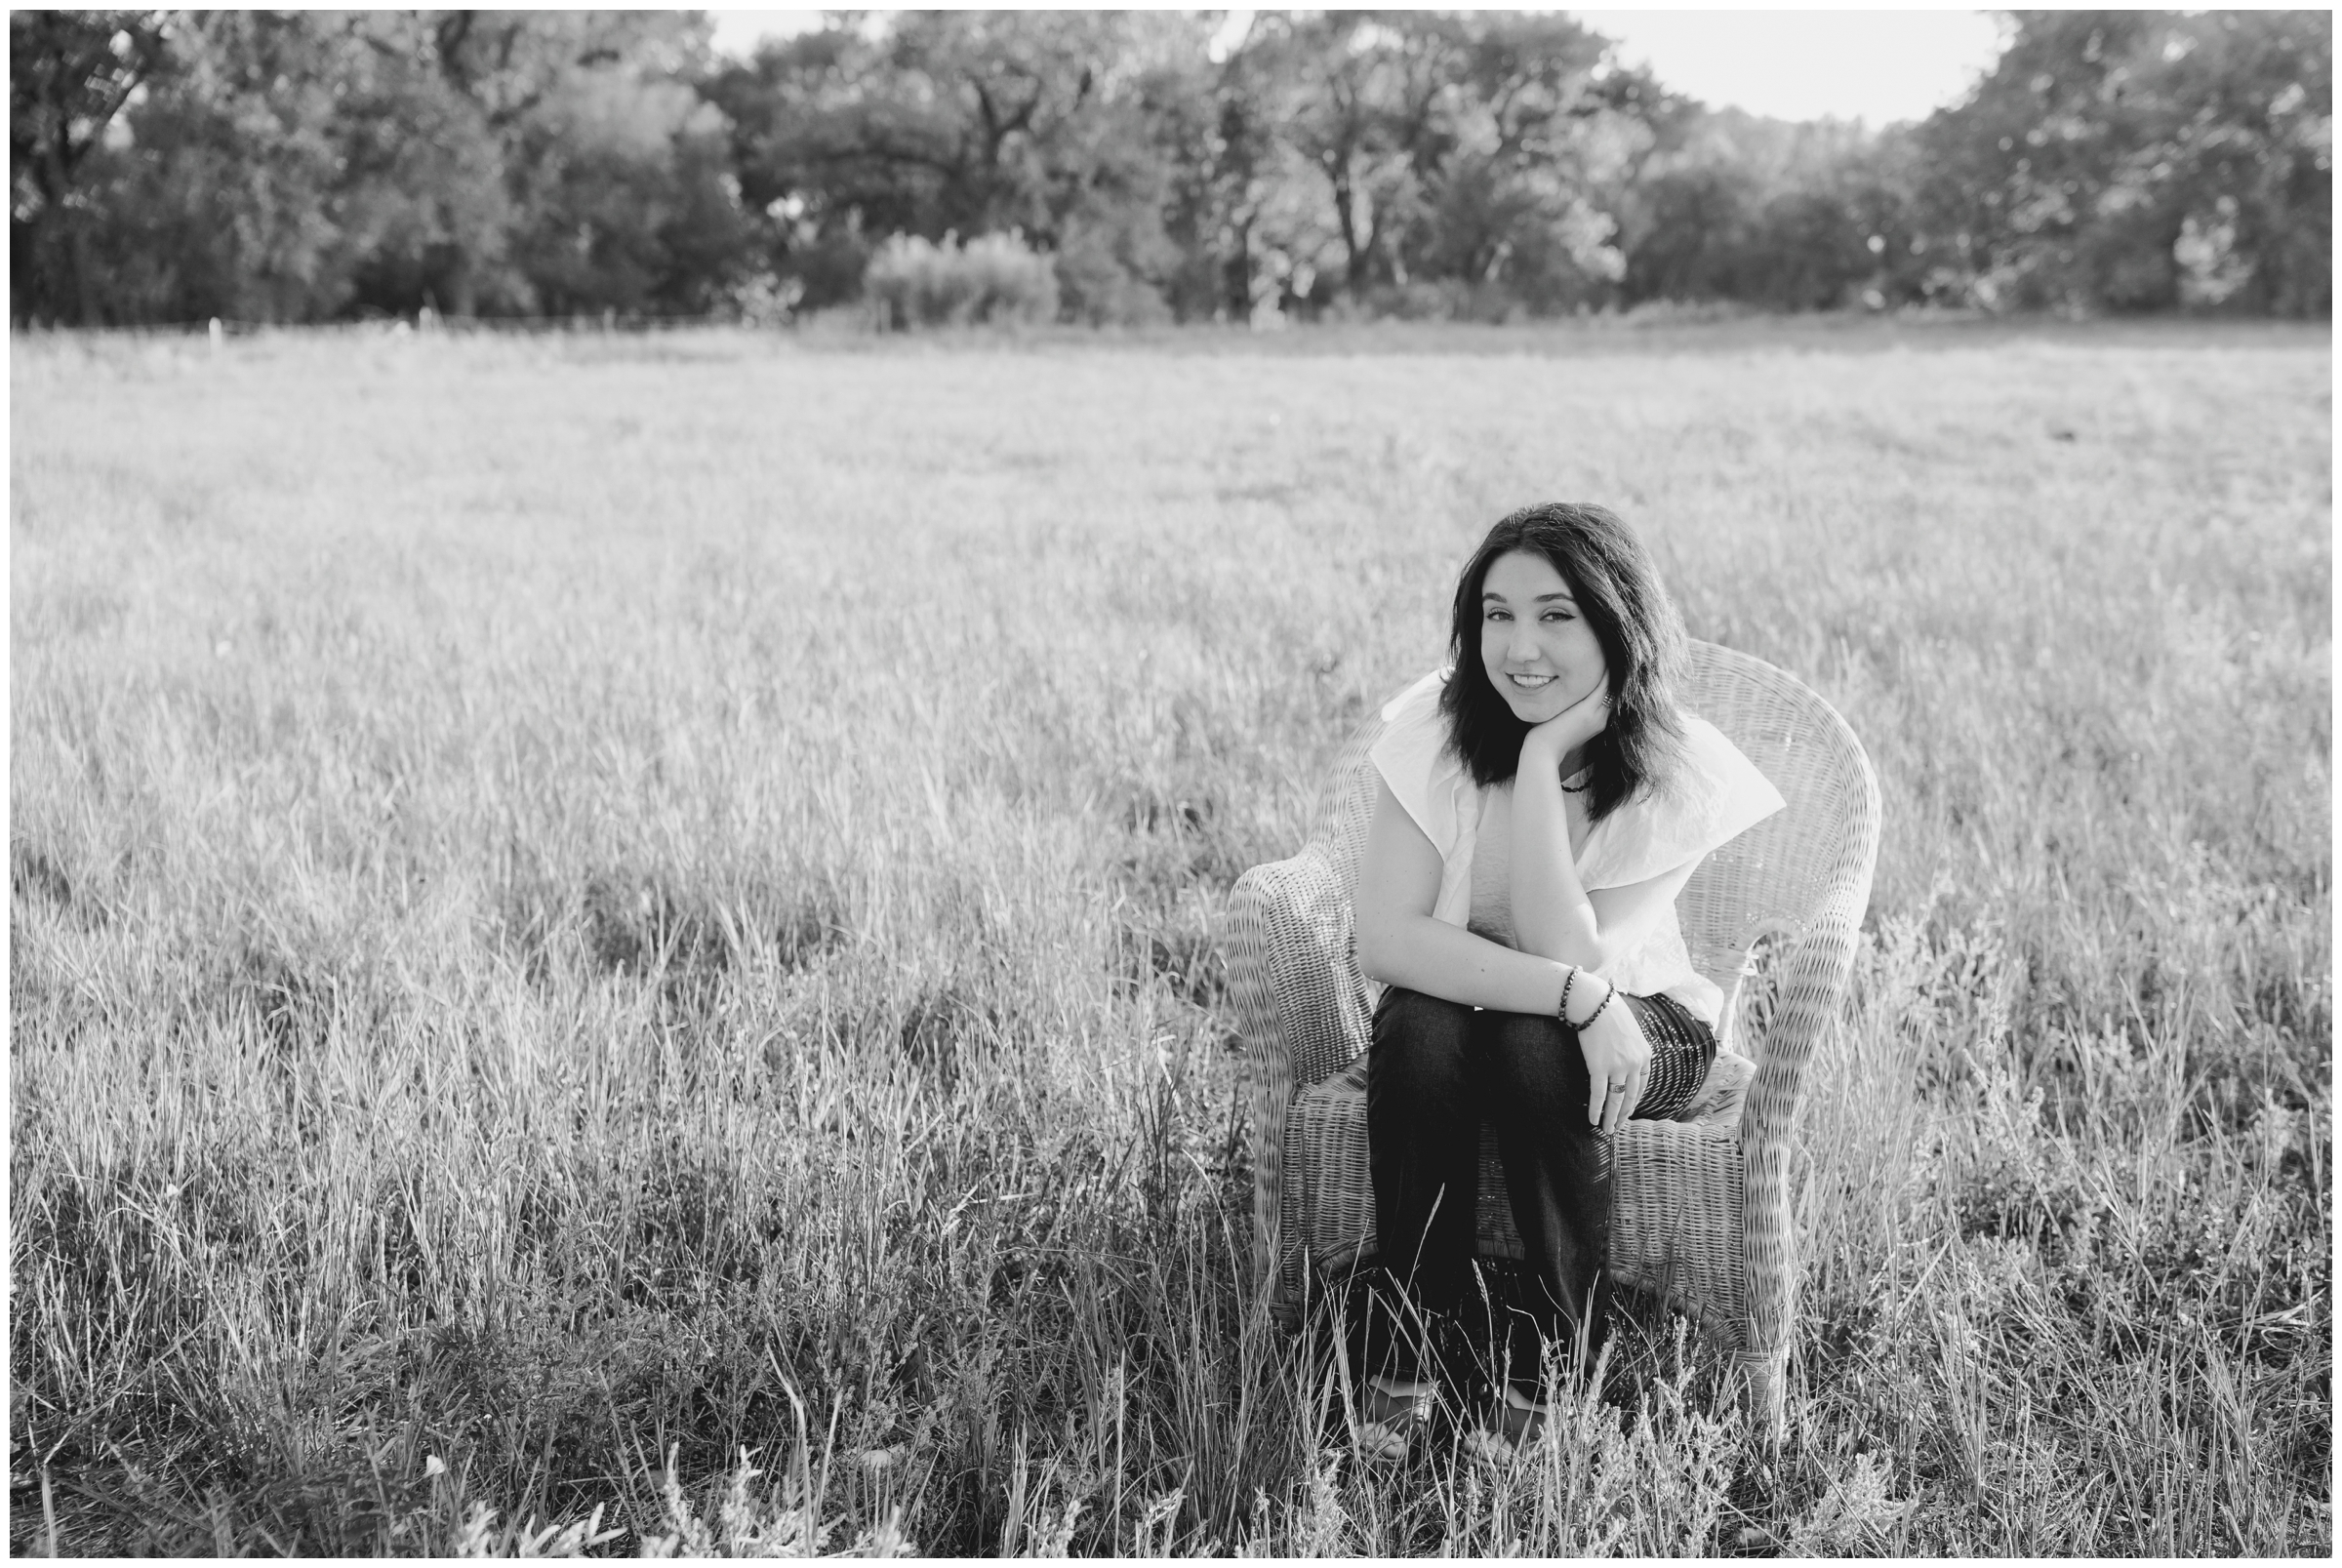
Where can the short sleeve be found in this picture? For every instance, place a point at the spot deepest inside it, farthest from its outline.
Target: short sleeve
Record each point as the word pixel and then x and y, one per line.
pixel 1414 760
pixel 1718 796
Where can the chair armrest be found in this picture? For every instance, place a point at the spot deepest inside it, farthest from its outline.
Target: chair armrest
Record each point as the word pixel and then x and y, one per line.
pixel 1811 996
pixel 1299 1004
pixel 1808 999
pixel 1300 1000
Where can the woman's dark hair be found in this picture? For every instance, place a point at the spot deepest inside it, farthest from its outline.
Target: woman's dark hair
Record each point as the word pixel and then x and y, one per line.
pixel 1611 575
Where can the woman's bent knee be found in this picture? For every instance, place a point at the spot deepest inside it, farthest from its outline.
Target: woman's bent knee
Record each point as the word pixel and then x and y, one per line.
pixel 1420 1021
pixel 1419 1039
pixel 1536 1058
pixel 1530 1031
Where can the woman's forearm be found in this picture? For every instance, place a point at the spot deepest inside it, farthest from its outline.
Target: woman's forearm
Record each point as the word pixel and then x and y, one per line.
pixel 1552 916
pixel 1449 962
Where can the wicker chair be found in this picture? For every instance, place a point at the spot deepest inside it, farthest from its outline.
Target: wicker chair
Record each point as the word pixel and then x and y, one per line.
pixel 1702 1213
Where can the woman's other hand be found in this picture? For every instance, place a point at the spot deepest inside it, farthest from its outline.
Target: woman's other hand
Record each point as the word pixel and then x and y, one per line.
pixel 1617 1058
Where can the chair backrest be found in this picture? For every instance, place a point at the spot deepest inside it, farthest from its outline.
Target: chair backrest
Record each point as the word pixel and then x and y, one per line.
pixel 1768 883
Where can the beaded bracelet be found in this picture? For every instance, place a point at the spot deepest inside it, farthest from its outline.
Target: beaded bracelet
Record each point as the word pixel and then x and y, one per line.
pixel 1561 1007
pixel 1598 1011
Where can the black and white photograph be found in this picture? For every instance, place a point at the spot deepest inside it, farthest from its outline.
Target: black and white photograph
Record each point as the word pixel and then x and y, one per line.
pixel 1159 782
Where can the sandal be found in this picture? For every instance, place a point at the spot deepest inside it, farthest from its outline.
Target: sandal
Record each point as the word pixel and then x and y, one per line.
pixel 1521 1424
pixel 1390 1415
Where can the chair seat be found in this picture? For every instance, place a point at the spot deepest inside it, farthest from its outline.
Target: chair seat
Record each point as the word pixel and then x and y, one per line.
pixel 1675 1220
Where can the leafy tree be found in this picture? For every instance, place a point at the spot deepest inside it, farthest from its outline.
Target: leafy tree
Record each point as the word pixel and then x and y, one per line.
pixel 2240 106
pixel 1213 131
pixel 621 171
pixel 267 160
pixel 1348 90
pixel 1477 157
pixel 610 186
pixel 1528 160
pixel 1804 252
pixel 964 122
pixel 299 165
pixel 2104 143
pixel 415 170
pixel 1693 235
pixel 70 74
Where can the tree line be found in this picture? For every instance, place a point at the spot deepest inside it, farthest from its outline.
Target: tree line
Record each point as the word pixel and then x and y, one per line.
pixel 310 166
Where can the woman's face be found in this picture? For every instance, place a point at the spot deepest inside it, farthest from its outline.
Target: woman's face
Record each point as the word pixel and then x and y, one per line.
pixel 1538 650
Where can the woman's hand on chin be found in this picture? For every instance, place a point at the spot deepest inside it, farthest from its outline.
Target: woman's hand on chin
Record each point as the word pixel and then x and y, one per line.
pixel 1570 729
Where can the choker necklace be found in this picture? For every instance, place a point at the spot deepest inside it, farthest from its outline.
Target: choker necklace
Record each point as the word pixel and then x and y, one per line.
pixel 1577 790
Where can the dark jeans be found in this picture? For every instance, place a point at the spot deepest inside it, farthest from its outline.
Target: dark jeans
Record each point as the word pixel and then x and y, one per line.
pixel 1435 1072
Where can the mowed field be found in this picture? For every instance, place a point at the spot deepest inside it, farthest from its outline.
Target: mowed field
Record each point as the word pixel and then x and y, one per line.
pixel 584 907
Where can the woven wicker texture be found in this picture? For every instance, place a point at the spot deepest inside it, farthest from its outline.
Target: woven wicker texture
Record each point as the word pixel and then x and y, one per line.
pixel 1702 1201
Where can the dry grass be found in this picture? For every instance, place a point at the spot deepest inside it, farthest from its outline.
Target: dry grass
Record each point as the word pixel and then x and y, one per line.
pixel 579 910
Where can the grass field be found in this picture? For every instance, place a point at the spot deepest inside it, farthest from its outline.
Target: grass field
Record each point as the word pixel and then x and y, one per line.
pixel 580 907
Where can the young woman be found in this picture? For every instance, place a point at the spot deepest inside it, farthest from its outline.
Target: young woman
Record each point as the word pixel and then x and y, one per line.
pixel 1542 803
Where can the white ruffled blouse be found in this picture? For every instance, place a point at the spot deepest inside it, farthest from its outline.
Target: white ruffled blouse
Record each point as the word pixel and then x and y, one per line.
pixel 1718 796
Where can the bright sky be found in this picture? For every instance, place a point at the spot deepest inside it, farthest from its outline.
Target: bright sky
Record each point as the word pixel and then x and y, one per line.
pixel 1873 65
pixel 1878 65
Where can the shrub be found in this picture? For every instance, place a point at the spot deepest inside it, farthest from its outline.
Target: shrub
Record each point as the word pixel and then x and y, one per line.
pixel 1432 300
pixel 1417 300
pixel 1672 312
pixel 766 300
pixel 1099 287
pixel 913 282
